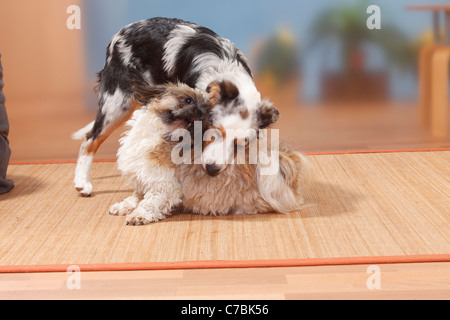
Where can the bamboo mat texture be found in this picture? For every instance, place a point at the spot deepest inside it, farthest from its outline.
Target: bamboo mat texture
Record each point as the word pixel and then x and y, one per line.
pixel 359 205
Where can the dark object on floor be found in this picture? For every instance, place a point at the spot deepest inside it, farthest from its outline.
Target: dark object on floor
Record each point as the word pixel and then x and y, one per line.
pixel 5 151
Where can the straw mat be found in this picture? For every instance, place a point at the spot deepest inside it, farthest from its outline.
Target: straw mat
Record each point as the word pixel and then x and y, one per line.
pixel 380 206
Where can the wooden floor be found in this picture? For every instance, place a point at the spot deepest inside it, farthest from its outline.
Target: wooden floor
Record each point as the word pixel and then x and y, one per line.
pixel 40 130
pixel 396 281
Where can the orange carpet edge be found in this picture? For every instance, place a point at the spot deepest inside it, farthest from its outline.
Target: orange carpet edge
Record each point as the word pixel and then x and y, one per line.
pixel 224 264
pixel 17 163
pixel 375 151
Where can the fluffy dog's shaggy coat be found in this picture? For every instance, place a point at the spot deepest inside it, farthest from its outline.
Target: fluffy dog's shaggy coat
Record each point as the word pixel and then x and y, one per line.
pixel 145 153
pixel 161 186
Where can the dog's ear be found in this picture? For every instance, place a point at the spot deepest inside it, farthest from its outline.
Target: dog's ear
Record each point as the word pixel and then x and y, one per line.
pixel 143 94
pixel 266 114
pixel 222 92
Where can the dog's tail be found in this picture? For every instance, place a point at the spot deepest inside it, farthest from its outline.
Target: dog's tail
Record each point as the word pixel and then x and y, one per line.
pixel 284 189
pixel 80 134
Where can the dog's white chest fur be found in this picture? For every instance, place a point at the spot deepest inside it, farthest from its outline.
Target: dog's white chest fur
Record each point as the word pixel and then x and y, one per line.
pixel 145 134
pixel 157 190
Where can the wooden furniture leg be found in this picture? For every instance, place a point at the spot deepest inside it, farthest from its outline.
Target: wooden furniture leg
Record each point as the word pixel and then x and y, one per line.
pixel 439 92
pixel 425 84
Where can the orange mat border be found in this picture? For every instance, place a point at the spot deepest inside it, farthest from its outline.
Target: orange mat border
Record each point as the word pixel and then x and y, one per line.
pixel 18 163
pixel 306 153
pixel 375 151
pixel 224 264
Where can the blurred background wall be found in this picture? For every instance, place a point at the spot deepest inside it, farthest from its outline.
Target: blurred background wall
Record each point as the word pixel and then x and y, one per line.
pixel 317 60
pixel 41 57
pixel 324 37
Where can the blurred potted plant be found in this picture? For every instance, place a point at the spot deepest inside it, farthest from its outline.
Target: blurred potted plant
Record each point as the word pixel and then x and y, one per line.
pixel 347 25
pixel 278 68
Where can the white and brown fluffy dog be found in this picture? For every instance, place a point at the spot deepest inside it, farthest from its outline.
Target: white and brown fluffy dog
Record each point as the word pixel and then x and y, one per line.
pixel 163 185
pixel 145 153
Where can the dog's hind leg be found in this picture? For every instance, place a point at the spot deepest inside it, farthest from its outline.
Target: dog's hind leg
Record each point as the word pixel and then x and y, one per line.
pixel 114 110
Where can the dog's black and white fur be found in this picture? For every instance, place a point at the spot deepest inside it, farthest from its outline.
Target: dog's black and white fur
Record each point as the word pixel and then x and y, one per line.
pixel 158 51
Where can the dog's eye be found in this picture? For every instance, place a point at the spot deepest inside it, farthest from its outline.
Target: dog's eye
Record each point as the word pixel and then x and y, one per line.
pixel 188 101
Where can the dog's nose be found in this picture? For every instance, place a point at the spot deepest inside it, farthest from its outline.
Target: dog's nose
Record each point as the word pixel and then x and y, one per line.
pixel 212 169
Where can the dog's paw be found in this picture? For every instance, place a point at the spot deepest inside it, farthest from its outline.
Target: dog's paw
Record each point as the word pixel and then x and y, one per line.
pixel 138 221
pixel 120 209
pixel 84 188
pixel 125 207
pixel 141 217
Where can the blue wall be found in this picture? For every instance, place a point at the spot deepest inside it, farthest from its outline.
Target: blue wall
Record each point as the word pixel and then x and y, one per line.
pixel 246 21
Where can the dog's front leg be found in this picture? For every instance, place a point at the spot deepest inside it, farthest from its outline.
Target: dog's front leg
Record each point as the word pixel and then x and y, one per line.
pixel 156 205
